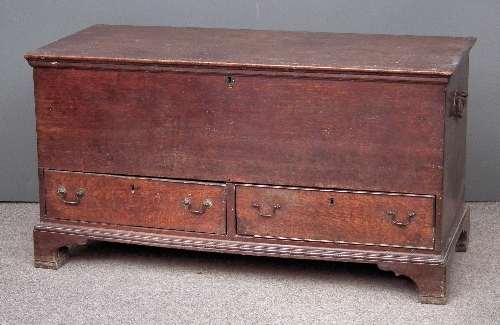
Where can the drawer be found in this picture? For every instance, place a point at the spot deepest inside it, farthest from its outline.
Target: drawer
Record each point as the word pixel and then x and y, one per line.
pixel 131 201
pixel 366 218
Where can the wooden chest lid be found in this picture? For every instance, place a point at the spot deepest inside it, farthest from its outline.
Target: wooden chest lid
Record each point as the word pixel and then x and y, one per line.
pixel 251 49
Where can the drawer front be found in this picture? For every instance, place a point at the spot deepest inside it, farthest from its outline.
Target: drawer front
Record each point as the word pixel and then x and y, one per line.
pixel 306 132
pixel 142 202
pixel 336 216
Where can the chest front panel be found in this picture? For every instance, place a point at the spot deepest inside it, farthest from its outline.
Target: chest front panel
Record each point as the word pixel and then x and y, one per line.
pixel 286 131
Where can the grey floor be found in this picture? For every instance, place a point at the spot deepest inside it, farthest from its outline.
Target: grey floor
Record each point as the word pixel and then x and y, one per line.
pixel 108 283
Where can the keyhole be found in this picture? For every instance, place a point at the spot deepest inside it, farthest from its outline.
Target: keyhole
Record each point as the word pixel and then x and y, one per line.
pixel 132 188
pixel 229 81
pixel 332 202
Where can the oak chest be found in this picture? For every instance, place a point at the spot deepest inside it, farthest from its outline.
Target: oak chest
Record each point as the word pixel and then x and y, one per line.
pixel 340 147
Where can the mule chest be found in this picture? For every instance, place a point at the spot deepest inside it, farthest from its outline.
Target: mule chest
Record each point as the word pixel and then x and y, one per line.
pixel 339 147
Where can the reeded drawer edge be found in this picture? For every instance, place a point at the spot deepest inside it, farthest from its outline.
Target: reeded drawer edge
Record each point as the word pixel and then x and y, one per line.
pixel 336 190
pixel 139 177
pixel 338 242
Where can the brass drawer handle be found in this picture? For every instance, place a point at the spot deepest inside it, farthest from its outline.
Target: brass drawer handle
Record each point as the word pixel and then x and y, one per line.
pixel 255 205
pixel 401 224
pixel 78 194
pixel 207 204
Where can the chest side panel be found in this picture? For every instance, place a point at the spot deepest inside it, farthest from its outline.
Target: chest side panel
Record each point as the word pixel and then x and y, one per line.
pixel 283 130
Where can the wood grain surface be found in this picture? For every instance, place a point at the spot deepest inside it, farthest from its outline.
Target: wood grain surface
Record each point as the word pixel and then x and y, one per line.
pixel 136 201
pixel 335 216
pixel 260 49
pixel 282 131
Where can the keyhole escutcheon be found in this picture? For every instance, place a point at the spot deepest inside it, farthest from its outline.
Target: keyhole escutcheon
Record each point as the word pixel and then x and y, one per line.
pixel 229 80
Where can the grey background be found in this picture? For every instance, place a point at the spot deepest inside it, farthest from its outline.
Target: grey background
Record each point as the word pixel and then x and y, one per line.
pixel 26 25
